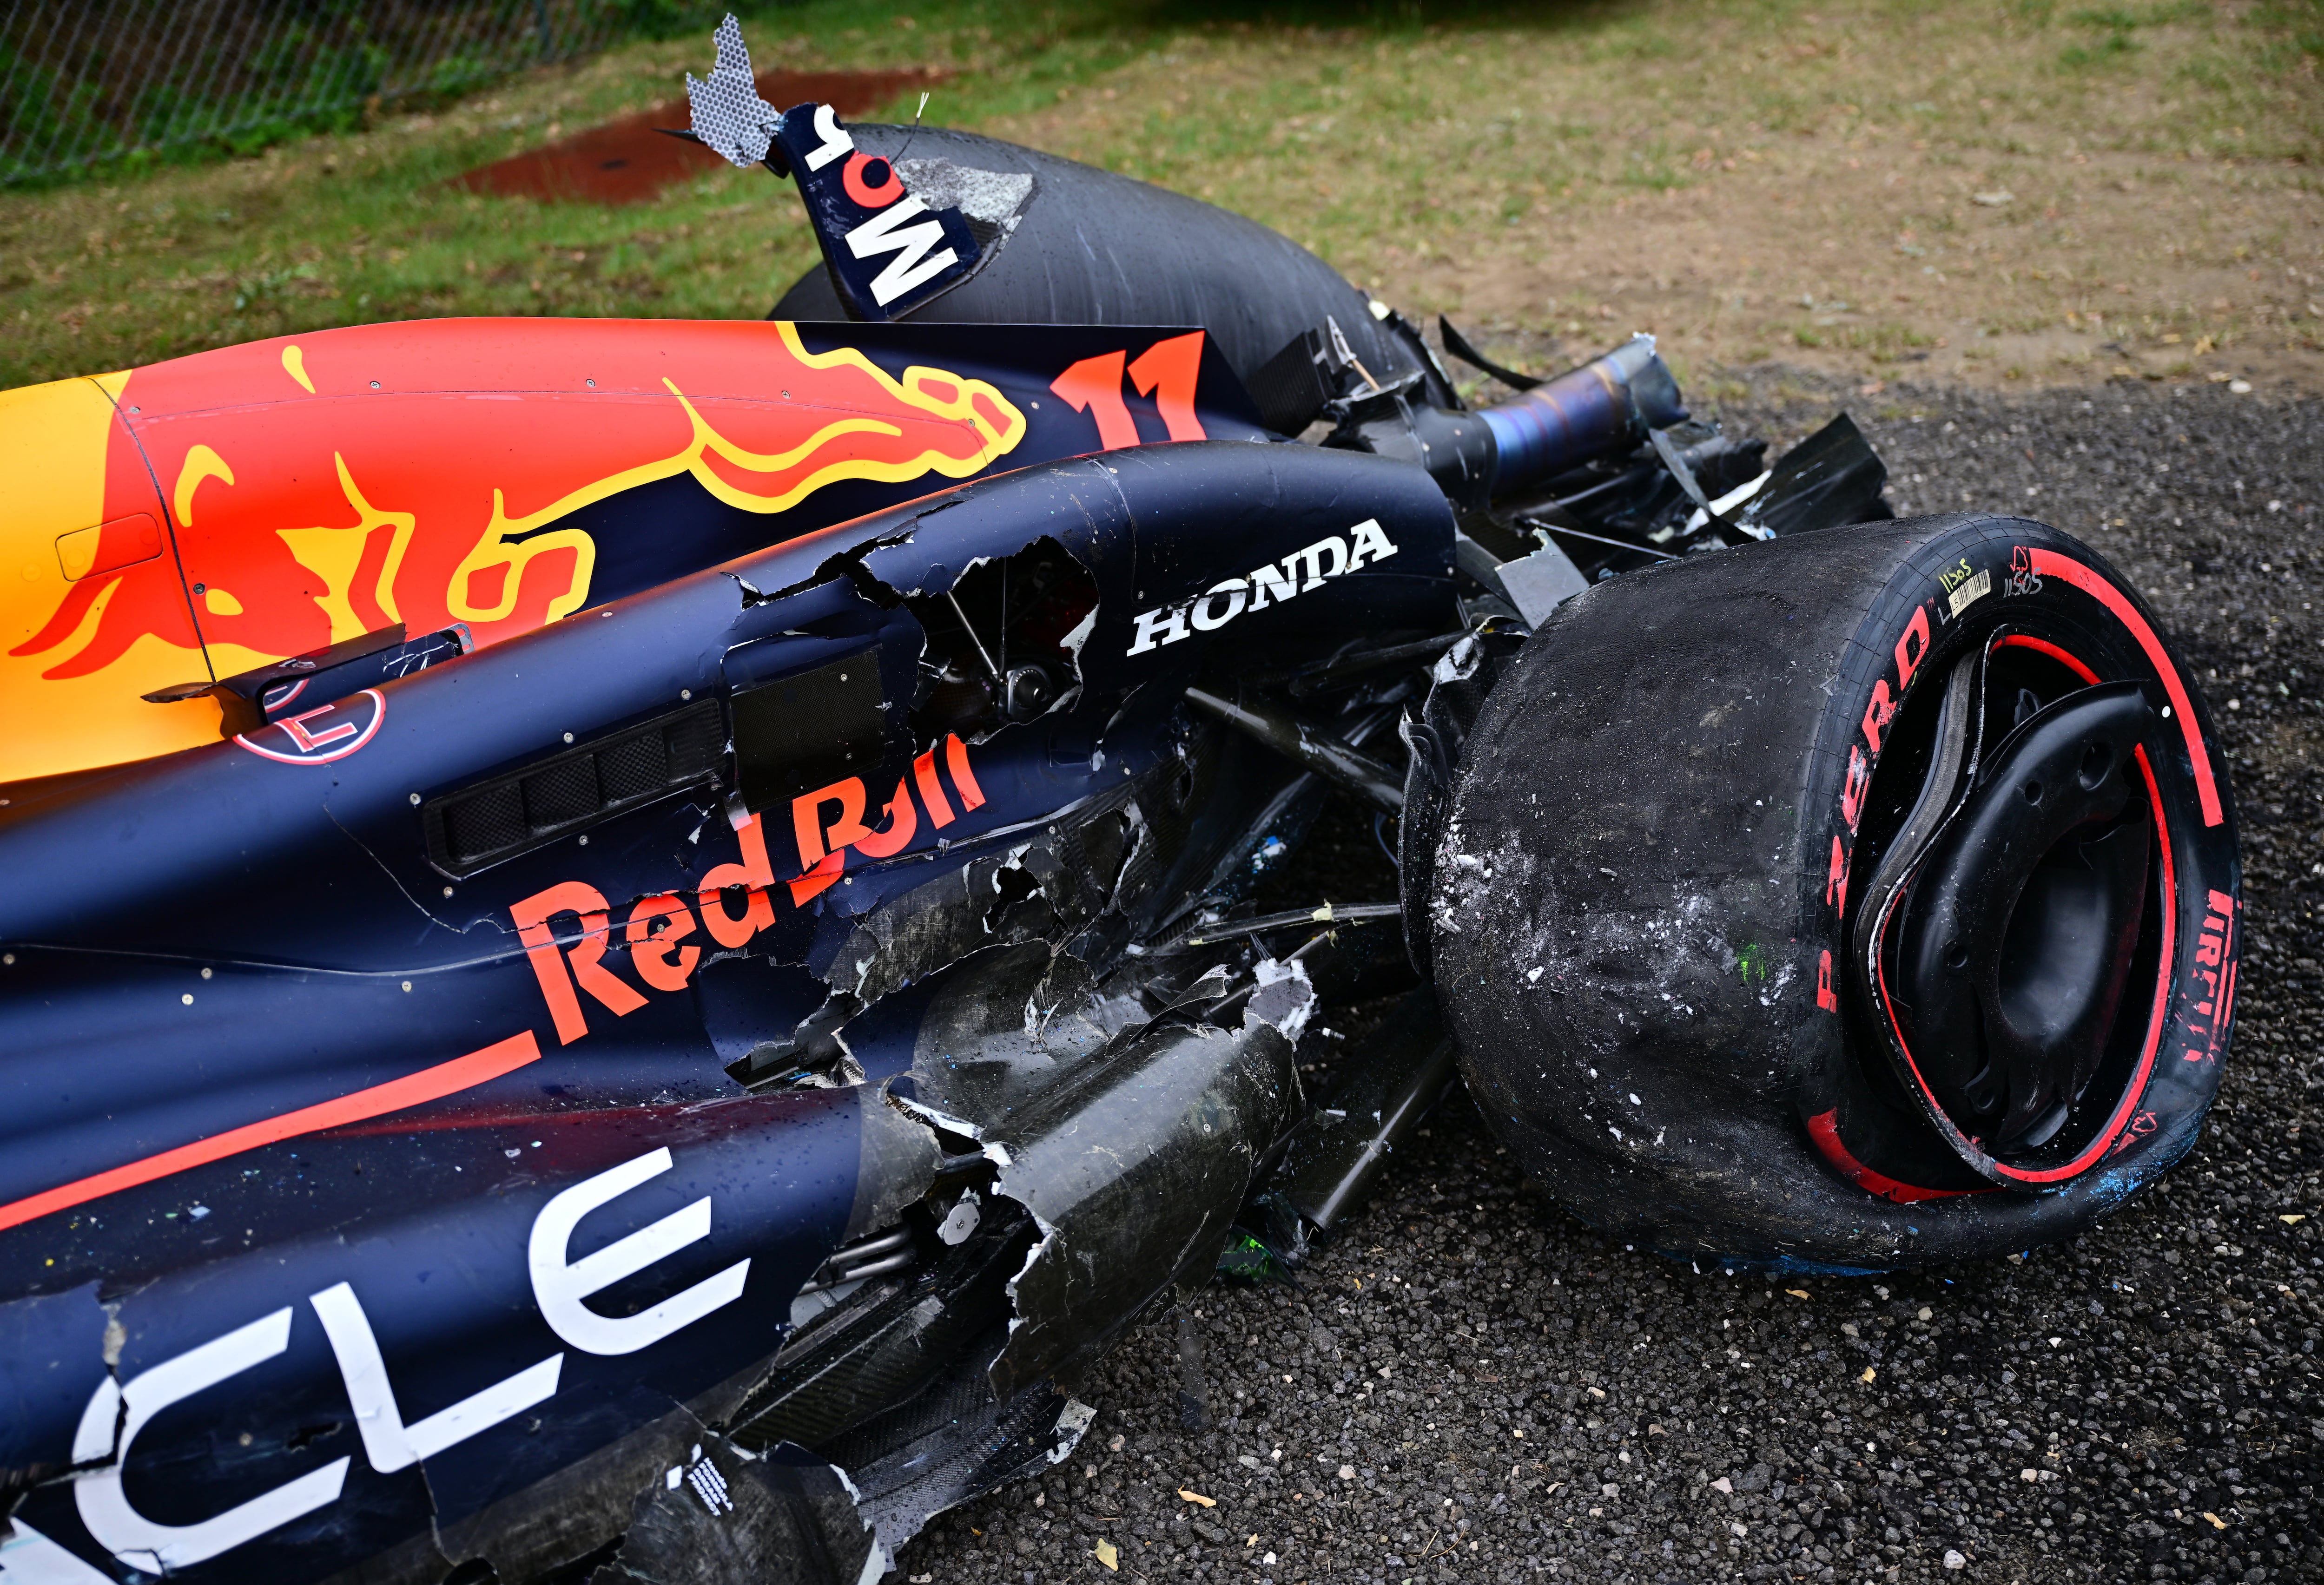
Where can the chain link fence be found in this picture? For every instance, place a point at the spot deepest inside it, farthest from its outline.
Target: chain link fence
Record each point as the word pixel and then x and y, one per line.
pixel 91 83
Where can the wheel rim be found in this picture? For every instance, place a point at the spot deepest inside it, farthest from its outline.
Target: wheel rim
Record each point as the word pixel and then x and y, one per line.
pixel 2017 908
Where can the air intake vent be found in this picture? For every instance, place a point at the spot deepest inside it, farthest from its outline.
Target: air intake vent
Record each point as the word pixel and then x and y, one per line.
pixel 568 792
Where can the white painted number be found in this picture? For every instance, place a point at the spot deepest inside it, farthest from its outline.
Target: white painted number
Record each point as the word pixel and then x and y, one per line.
pixel 835 141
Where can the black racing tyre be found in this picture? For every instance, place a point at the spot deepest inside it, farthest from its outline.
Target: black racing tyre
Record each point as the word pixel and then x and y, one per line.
pixel 1857 899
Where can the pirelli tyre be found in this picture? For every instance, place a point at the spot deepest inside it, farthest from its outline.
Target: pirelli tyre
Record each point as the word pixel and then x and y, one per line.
pixel 1855 899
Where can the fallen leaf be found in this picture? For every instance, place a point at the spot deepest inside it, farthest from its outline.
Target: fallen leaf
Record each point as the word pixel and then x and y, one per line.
pixel 1994 200
pixel 2292 1221
pixel 1106 1554
pixel 1869 1375
pixel 1798 1293
pixel 2217 1521
pixel 1208 1502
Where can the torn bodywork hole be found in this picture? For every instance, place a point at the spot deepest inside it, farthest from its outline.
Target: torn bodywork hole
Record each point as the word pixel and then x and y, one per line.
pixel 1012 886
pixel 1003 642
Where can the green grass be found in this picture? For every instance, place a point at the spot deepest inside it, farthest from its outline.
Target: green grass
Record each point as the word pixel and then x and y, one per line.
pixel 1388 134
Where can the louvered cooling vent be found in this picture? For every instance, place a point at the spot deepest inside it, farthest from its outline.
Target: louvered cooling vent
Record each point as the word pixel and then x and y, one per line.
pixel 513 813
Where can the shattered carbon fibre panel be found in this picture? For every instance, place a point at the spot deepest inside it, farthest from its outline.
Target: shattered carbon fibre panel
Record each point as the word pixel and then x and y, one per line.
pixel 1137 1180
pixel 1132 1140
pixel 780 1517
pixel 1092 247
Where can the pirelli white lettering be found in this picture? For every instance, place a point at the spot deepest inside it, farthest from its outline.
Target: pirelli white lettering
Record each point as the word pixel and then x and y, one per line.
pixel 1272 583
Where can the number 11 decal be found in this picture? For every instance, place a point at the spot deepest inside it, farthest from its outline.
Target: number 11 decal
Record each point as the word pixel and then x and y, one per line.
pixel 1166 371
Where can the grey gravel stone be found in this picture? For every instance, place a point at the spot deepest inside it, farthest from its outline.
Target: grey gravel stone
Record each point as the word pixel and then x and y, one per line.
pixel 1521 1400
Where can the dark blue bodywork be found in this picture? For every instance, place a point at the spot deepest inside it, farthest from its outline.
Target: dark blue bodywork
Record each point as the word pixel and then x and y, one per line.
pixel 213 949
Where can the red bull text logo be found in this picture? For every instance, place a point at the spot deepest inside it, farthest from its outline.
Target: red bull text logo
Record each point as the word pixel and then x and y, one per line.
pixel 733 902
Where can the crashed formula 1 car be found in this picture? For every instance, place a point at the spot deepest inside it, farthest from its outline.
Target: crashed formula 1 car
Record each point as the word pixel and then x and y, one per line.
pixel 627 945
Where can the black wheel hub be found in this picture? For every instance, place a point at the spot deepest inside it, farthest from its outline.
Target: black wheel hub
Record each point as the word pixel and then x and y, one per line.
pixel 2017 934
pixel 2004 922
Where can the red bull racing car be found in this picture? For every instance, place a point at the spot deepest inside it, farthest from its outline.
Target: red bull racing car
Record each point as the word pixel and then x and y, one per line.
pixel 627 945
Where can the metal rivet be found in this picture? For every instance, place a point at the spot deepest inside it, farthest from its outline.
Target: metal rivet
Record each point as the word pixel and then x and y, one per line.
pixel 188 999
pixel 415 798
pixel 685 693
pixel 206 973
pixel 8 958
pixel 448 891
pixel 407 984
pixel 569 737
pixel 591 383
pixel 585 841
pixel 374 386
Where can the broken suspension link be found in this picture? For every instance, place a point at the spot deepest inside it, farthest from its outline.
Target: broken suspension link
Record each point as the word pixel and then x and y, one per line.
pixel 1308 745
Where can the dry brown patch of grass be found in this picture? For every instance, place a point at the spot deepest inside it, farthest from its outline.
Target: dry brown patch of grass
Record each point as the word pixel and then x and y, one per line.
pixel 2004 191
pixel 2001 192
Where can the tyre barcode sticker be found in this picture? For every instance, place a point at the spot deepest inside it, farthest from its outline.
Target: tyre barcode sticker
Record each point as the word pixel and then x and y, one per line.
pixel 1971 592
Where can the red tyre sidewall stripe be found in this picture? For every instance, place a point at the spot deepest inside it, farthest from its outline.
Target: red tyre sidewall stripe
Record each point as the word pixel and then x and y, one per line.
pixel 2044 647
pixel 2136 1091
pixel 1824 1127
pixel 1825 1130
pixel 2050 564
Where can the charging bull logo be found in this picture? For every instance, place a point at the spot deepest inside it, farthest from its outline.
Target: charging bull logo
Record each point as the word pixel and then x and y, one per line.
pixel 431 473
